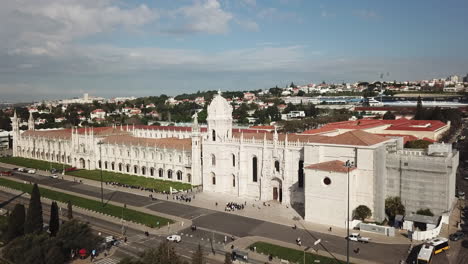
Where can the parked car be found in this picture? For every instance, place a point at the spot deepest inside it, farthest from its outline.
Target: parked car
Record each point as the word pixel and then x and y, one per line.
pixel 22 169
pixel 32 171
pixel 358 238
pixel 70 169
pixel 54 176
pixel 461 195
pixel 457 236
pixel 174 238
pixel 6 173
pixel 466 178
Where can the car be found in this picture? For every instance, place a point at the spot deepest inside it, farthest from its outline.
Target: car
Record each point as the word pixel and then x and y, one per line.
pixel 32 171
pixel 358 238
pixel 457 236
pixel 461 195
pixel 465 178
pixel 21 169
pixel 54 176
pixel 174 238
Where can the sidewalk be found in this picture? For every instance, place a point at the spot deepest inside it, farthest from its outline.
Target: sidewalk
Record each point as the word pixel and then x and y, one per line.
pixel 273 212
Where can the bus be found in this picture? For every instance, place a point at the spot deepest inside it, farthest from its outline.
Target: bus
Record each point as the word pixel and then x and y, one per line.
pixel 425 254
pixel 440 244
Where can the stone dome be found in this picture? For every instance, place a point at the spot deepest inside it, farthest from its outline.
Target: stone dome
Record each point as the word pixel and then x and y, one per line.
pixel 219 108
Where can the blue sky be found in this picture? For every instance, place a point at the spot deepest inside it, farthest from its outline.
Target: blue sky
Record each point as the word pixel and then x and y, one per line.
pixel 63 48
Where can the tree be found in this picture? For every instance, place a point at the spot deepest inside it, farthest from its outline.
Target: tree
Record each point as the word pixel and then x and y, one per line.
pixel 227 258
pixel 388 116
pixel 54 221
pixel 419 115
pixel 34 221
pixel 362 212
pixel 54 255
pixel 69 210
pixel 426 211
pixel 418 144
pixel 15 223
pixel 393 206
pixel 301 93
pixel 74 234
pixel 26 249
pixel 198 257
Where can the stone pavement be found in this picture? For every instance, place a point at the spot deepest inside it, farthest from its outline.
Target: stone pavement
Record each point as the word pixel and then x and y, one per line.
pixel 271 212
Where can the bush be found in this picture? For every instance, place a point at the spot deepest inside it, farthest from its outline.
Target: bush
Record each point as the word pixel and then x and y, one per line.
pixel 362 212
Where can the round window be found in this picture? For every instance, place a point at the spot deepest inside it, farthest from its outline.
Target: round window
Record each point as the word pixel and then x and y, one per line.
pixel 326 181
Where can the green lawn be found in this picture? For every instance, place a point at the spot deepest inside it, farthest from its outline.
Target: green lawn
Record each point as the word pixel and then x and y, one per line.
pixel 292 255
pixel 158 185
pixel 109 209
pixel 32 163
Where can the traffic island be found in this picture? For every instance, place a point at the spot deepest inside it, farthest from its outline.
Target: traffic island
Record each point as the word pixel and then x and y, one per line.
pixel 94 207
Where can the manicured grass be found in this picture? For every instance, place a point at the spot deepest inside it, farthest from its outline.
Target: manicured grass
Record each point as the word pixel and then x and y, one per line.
pixel 109 209
pixel 108 176
pixel 32 163
pixel 292 255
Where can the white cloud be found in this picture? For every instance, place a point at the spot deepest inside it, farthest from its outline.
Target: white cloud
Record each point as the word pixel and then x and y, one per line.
pixel 206 16
pixel 249 25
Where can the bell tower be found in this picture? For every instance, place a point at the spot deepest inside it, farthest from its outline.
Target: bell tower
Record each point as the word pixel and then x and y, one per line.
pixel 219 119
pixel 31 121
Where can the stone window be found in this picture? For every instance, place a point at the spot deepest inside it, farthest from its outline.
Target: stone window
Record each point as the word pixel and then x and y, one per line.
pixel 161 173
pixel 254 169
pixel 277 166
pixel 233 160
pixel 169 174
pixel 233 180
pixel 213 160
pixel 300 174
pixel 179 175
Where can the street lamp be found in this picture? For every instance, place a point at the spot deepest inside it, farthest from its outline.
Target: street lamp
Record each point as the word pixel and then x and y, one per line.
pixel 100 167
pixel 348 164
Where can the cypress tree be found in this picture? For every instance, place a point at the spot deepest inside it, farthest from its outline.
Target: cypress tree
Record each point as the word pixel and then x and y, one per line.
pixel 34 221
pixel 15 223
pixel 54 222
pixel 69 211
pixel 419 115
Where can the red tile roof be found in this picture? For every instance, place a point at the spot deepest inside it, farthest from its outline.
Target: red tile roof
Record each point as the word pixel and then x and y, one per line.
pixel 418 125
pixel 355 138
pixel 406 138
pixel 319 130
pixel 334 165
pixel 170 143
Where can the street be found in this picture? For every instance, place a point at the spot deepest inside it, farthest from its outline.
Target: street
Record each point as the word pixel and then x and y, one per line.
pixel 230 224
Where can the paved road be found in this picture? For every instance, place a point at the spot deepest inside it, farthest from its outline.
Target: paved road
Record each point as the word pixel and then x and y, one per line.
pixel 238 226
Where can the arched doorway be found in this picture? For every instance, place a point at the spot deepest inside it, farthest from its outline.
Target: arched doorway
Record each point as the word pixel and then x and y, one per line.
pixel 82 164
pixel 277 189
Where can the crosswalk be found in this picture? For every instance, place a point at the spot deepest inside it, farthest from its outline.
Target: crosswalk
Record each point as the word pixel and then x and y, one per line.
pixel 108 260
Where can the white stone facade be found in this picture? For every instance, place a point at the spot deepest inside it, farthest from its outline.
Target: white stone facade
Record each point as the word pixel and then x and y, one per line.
pixel 302 171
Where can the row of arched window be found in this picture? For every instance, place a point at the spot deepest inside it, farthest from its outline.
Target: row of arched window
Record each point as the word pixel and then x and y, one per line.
pixel 127 168
pixel 136 153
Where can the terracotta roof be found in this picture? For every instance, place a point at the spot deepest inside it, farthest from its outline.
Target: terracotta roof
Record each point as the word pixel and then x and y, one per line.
pixel 319 130
pixel 262 127
pixel 281 137
pixel 418 125
pixel 170 143
pixel 334 165
pixel 355 138
pixel 406 138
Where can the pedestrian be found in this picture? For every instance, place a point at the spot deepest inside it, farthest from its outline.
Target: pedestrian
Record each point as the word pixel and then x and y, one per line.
pixel 225 239
pixel 216 203
pixel 125 239
pixel 330 229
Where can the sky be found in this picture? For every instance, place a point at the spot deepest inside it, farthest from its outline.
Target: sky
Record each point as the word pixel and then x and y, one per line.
pixel 51 49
